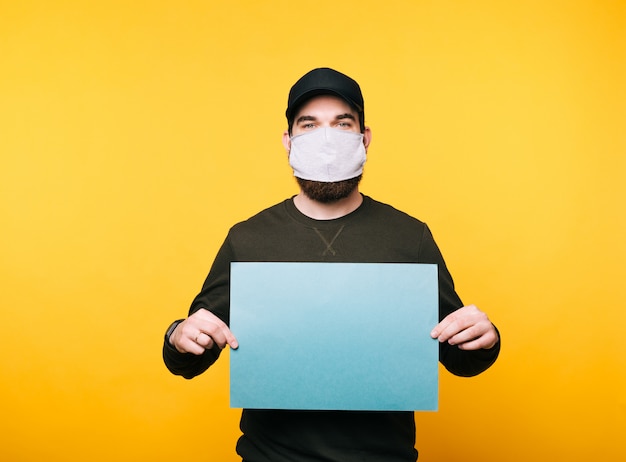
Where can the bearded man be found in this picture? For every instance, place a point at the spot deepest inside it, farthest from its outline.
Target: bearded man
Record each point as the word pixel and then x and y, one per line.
pixel 329 220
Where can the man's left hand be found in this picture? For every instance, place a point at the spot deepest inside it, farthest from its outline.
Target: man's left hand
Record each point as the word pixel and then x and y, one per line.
pixel 468 328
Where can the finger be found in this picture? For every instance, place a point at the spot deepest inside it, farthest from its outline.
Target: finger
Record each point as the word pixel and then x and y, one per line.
pixel 215 328
pixel 220 334
pixel 183 340
pixel 457 322
pixel 204 340
pixel 450 326
pixel 188 345
pixel 484 342
pixel 231 340
pixel 476 336
pixel 225 337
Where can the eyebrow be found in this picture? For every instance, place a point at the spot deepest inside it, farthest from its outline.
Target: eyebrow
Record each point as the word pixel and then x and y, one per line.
pixel 308 118
pixel 347 115
pixel 305 118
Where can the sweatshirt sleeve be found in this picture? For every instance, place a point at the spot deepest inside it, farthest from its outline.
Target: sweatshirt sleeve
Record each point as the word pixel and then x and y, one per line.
pixel 215 297
pixel 458 362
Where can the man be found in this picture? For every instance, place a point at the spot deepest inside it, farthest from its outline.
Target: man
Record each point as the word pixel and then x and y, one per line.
pixel 328 221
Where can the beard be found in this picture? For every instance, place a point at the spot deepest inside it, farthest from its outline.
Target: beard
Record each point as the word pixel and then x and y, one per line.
pixel 324 192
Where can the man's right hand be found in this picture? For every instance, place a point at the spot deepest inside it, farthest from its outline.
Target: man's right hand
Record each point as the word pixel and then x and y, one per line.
pixel 202 331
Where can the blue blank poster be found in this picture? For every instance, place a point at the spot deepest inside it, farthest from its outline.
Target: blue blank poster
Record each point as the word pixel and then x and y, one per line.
pixel 334 336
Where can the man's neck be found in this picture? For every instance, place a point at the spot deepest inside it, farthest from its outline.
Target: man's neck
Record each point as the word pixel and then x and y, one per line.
pixel 328 211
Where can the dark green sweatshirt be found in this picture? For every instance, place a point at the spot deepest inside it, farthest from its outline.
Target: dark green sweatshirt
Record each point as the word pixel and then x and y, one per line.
pixel 374 233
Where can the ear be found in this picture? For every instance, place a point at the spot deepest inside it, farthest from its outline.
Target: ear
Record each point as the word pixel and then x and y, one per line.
pixel 287 141
pixel 367 137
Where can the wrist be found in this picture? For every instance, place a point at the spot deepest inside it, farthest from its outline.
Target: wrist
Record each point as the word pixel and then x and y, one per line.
pixel 170 330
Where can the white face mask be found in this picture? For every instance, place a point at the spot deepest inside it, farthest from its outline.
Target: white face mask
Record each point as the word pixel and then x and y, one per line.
pixel 327 155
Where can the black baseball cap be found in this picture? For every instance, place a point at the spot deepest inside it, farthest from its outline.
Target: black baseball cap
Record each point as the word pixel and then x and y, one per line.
pixel 325 81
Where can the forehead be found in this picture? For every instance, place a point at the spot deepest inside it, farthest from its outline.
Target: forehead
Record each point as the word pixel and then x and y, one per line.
pixel 325 104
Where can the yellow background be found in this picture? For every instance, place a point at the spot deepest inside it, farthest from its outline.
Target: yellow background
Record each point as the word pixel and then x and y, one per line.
pixel 134 134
